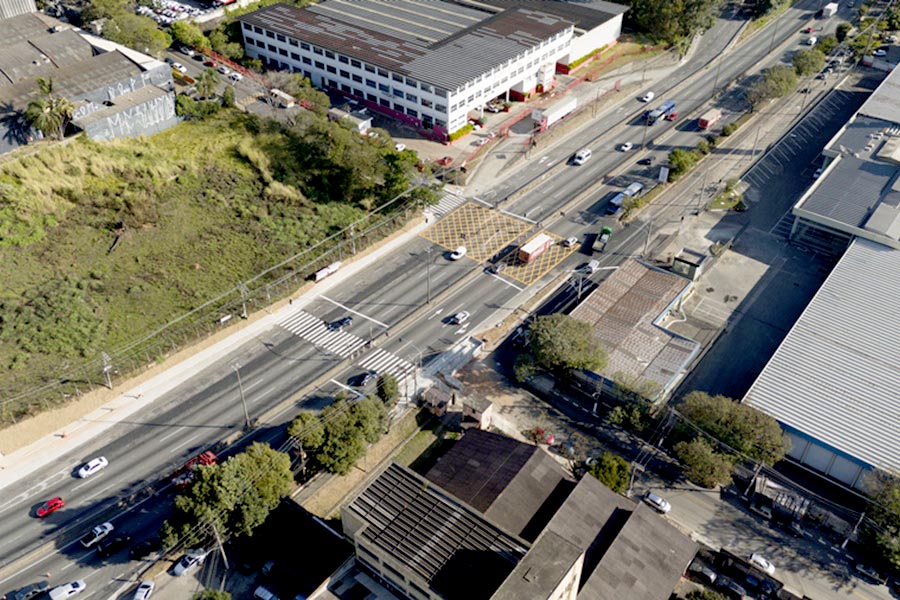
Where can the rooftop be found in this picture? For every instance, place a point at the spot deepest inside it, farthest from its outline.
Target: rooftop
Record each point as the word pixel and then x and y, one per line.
pixel 120 103
pixel 623 313
pixel 835 376
pixel 585 14
pixel 436 42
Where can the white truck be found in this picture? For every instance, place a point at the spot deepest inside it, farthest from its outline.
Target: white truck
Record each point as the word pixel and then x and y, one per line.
pixel 545 117
pixel 830 9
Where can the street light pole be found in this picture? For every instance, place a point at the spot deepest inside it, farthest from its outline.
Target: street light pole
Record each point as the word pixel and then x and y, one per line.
pixel 428 275
pixel 243 400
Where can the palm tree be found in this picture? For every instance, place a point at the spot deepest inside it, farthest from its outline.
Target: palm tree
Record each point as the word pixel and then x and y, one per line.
pixel 50 113
pixel 207 82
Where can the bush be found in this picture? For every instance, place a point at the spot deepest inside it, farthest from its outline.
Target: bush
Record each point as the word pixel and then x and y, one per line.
pixel 388 389
pixel 682 161
pixel 703 147
pixel 612 471
pixel 843 30
pixel 464 130
pixel 703 465
pixel 729 128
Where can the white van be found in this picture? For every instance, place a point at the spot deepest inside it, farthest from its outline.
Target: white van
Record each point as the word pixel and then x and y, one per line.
pixel 648 97
pixel 582 156
pixel 811 41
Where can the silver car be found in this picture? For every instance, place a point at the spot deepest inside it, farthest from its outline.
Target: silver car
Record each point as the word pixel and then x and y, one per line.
pixel 659 503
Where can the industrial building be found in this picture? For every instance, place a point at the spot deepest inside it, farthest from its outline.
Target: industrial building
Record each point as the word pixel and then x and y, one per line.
pixel 499 519
pixel 428 63
pixel 832 383
pixel 116 91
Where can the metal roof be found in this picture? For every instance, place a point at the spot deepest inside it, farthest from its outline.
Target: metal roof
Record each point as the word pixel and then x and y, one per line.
pixel 585 14
pixel 439 43
pixel 836 376
pixel 122 103
pixel 884 103
pixel 41 56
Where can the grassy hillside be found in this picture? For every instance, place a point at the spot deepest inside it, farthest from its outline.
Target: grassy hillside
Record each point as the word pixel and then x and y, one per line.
pixel 197 209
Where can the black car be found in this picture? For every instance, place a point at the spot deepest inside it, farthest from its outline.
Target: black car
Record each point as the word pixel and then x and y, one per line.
pixel 646 161
pixel 340 324
pixel 29 591
pixel 144 549
pixel 363 379
pixel 110 546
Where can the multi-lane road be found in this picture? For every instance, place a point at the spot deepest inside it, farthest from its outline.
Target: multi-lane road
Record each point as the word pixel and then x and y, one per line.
pixel 384 336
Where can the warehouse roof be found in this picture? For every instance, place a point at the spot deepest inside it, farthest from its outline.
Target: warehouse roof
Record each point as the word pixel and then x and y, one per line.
pixel 439 43
pixel 835 376
pixel 120 103
pixel 42 55
pixel 23 27
pixel 882 103
pixel 585 14
pixel 623 313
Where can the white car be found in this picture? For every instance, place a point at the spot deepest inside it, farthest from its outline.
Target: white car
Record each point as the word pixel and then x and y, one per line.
pixel 880 52
pixel 626 147
pixel 144 590
pixel 191 559
pixel 179 67
pixel 224 70
pixel 818 172
pixel 582 156
pixel 458 253
pixel 648 97
pixel 659 503
pixel 760 561
pixel 569 242
pixel 399 147
pixel 68 590
pixel 459 318
pixel 92 466
pixel 96 534
pixel 236 76
pixel 188 51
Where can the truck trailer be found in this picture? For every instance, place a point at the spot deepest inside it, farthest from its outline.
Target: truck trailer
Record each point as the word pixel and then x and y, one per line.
pixel 545 117
pixel 709 118
pixel 663 111
pixel 830 9
pixel 535 247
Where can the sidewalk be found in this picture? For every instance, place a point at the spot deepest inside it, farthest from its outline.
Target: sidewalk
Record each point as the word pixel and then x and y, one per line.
pixel 85 420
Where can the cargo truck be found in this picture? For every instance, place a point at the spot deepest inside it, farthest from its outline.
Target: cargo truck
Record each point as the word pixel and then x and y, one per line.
pixel 183 476
pixel 709 118
pixel 545 117
pixel 663 111
pixel 830 9
pixel 602 239
pixel 535 247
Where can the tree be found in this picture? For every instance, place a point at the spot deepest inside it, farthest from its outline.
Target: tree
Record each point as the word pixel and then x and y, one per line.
pixel 705 594
pixel 682 161
pixel 212 595
pixel 885 535
pixel 307 428
pixel 739 426
pixel 219 42
pixel 188 34
pixel 842 31
pixel 827 43
pixel 344 443
pixel 369 417
pixel 774 82
pixel 560 343
pixel 634 388
pixel 703 465
pixel 207 82
pixel 808 62
pixel 388 389
pixel 228 97
pixel 50 114
pixel 612 471
pixel 675 23
pixel 138 32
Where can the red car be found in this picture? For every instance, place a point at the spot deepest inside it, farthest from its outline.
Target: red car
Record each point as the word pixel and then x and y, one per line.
pixel 50 506
pixel 210 63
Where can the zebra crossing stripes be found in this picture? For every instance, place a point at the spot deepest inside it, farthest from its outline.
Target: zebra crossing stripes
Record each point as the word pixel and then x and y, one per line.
pixel 448 203
pixel 314 330
pixel 384 362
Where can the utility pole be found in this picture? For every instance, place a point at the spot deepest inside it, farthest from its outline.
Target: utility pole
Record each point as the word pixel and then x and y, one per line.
pixel 107 368
pixel 219 542
pixel 237 372
pixel 853 531
pixel 428 275
pixel 243 289
pixel 649 231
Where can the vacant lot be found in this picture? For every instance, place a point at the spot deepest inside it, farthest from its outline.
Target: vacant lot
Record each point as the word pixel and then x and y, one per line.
pixel 102 243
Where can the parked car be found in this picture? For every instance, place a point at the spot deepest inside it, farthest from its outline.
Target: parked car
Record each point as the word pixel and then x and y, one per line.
pixel 186 50
pixel 110 546
pixel 29 591
pixel 869 573
pixel 758 560
pixel 96 534
pixel 68 590
pixel 189 561
pixel 582 156
pixel 496 268
pixel 144 548
pixel 50 506
pixel 648 97
pixel 340 323
pixel 459 318
pixel 626 147
pixel 399 147
pixel 880 52
pixel 659 503
pixel 262 593
pixel 143 591
pixel 93 466
pixel 179 67
pixel 235 76
pixel 732 586
pixel 458 253
pixel 762 510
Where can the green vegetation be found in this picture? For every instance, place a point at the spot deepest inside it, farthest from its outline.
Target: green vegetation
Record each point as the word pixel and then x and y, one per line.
pixel 827 43
pixel 104 243
pixel 612 471
pixel 705 594
pixel 808 62
pixel 673 23
pixel 559 343
pixel 235 497
pixel 703 465
pixel 464 130
pixel 774 82
pixel 884 532
pixel 212 595
pixel 388 389
pixel 122 25
pixel 49 113
pixel 682 161
pixel 729 198
pixel 842 31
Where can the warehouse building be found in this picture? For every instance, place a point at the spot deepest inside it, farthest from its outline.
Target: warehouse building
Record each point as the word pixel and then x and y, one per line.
pixel 428 63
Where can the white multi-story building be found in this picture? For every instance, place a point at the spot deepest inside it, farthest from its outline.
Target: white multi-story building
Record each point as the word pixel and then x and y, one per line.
pixel 427 63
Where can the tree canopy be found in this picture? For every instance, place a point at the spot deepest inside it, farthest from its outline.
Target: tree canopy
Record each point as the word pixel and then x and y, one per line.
pixel 808 62
pixel 348 428
pixel 703 465
pixel 50 113
pixel 560 342
pixel 884 533
pixel 212 595
pixel 774 82
pixel 674 21
pixel 307 428
pixel 612 471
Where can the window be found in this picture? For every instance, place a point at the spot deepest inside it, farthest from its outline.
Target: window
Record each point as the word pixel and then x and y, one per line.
pixel 307 60
pixel 382 72
pixel 412 82
pixel 427 103
pixel 396 77
pixel 371 97
pixel 304 45
pixel 357 92
pixel 317 51
pixel 398 93
pixel 398 107
pixel 295 56
pixel 384 102
pixel 331 69
pixel 260 43
pixel 320 64
pixel 343 59
pixel 412 112
pixel 355 63
pixel 370 68
pixel 281 38
pixel 412 97
pixel 272 48
pixel 345 88
pixel 440 123
pixel 345 74
pixel 282 52
pixel 440 107
pixel 293 43
pixel 371 83
pixel 329 54
pixel 308 75
pixel 257 29
pixel 332 83
pixel 357 78
pixel 470 99
pixel 269 34
pixel 384 88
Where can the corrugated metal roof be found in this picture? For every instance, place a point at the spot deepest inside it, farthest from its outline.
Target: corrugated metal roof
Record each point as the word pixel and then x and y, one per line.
pixel 585 14
pixel 883 103
pixel 439 43
pixel 836 375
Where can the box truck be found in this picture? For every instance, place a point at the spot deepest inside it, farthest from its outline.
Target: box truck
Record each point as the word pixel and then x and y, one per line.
pixel 535 247
pixel 709 118
pixel 545 117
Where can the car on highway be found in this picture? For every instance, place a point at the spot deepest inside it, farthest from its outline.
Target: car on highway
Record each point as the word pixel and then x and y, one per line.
pixel 626 147
pixel 223 70
pixel 761 562
pixel 29 591
pixel 189 561
pixel 143 591
pixel 880 52
pixel 186 50
pixel 458 253
pixel 50 506
pixel 569 242
pixel 210 63
pixel 646 161
pixel 459 318
pixel 110 546
pixel 93 466
pixel 808 30
pixel 581 157
pixel 658 502
pixel 869 573
pixel 482 141
pixel 363 379
pixel 67 590
pixel 96 534
pixel 235 76
pixel 340 323
pixel 648 97
pixel 497 268
pixel 144 548
pixel 179 67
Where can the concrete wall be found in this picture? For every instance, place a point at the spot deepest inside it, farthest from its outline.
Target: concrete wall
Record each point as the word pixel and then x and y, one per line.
pixel 598 37
pixel 144 119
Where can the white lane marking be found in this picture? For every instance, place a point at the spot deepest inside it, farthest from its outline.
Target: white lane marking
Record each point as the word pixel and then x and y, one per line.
pixel 98 492
pixel 436 313
pixel 83 483
pixel 355 312
pixel 346 387
pixel 168 435
pixel 512 285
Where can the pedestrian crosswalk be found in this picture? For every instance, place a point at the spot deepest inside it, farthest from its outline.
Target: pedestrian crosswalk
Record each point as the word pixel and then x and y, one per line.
pixel 314 330
pixel 449 202
pixel 383 361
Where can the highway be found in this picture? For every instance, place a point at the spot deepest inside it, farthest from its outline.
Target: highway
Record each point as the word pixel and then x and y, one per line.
pixel 276 366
